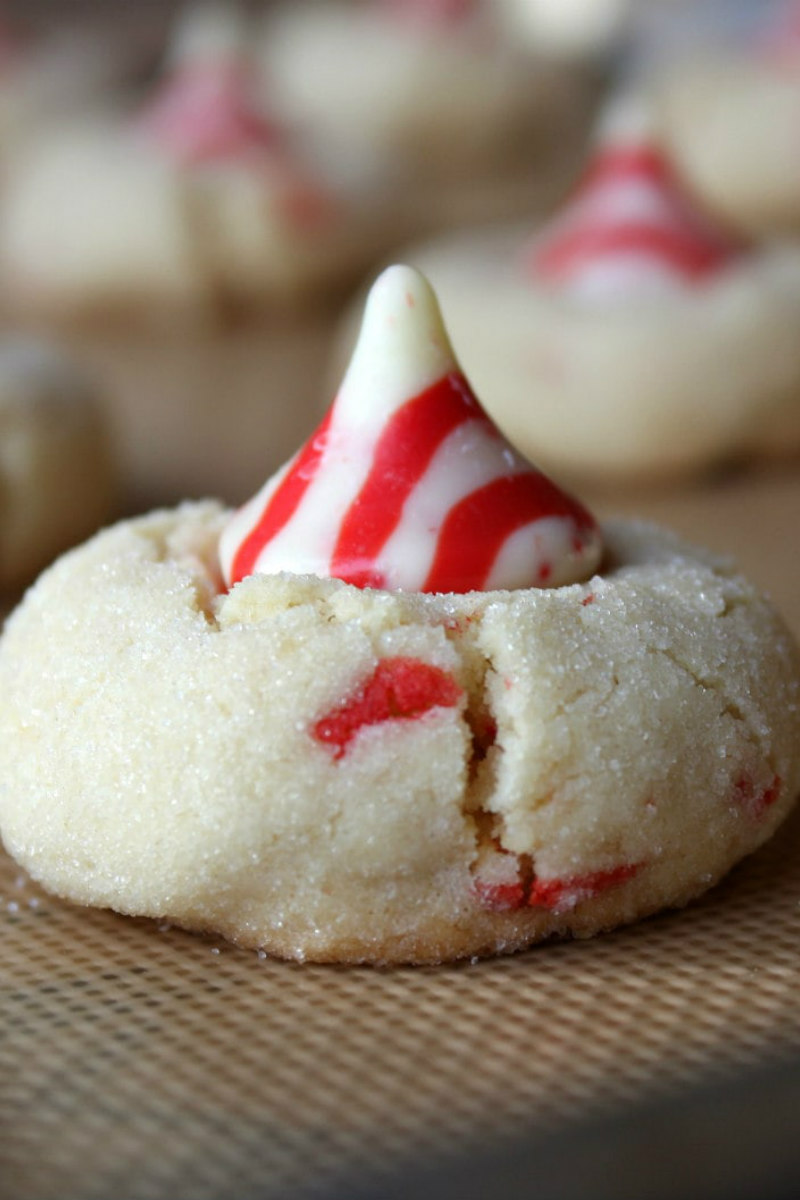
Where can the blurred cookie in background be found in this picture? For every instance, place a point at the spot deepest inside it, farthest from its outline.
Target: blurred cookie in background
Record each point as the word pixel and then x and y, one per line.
pixel 729 111
pixel 57 474
pixel 432 99
pixel 195 200
pixel 569 29
pixel 180 243
pixel 53 68
pixel 633 338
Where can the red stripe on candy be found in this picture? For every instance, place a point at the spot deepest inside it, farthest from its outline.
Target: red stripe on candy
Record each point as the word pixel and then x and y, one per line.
pixel 477 528
pixel 398 689
pixel 680 248
pixel 402 455
pixel 624 163
pixel 679 238
pixel 283 502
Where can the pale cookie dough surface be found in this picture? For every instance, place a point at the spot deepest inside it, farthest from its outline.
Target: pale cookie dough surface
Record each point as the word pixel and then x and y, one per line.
pixel 447 126
pixel 97 220
pixel 56 469
pixel 567 28
pixel 629 388
pixel 158 751
pixel 731 126
pixel 446 101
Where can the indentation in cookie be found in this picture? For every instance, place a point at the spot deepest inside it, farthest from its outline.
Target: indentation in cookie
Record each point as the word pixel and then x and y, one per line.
pixel 484 735
pixel 192 552
pixel 399 688
pixel 480 715
pixel 501 880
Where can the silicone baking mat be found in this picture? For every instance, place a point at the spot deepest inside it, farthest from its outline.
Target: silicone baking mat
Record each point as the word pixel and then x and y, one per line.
pixel 143 1062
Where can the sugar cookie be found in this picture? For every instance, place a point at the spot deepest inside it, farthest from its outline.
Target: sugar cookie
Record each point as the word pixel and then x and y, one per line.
pixel 730 119
pixel 633 338
pixel 340 772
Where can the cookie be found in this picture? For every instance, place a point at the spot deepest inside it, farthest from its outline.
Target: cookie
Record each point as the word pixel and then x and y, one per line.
pixel 633 338
pixel 730 117
pixel 62 67
pixel 339 772
pixel 192 258
pixel 450 116
pixel 56 466
pixel 195 203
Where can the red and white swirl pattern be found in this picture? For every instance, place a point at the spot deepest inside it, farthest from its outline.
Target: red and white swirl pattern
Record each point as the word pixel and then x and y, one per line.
pixel 205 109
pixel 204 114
pixel 408 484
pixel 630 229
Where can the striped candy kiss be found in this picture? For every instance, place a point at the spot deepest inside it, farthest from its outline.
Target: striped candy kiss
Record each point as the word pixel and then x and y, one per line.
pixel 629 230
pixel 205 110
pixel 407 484
pixel 204 114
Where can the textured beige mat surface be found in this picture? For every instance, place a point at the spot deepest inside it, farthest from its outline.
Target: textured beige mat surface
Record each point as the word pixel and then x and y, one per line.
pixel 140 1061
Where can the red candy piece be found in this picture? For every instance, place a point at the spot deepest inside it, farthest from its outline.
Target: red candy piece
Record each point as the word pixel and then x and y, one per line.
pixel 756 803
pixel 561 895
pixel 306 204
pixel 500 897
pixel 398 689
pixel 501 879
pixel 507 886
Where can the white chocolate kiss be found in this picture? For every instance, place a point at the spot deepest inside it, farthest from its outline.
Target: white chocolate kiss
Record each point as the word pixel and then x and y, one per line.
pixel 403 356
